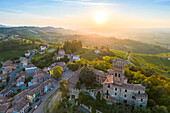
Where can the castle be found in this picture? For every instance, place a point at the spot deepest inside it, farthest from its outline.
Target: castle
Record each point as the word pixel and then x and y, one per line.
pixel 116 89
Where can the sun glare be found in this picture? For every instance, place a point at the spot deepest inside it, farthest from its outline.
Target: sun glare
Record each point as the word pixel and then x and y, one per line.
pixel 100 17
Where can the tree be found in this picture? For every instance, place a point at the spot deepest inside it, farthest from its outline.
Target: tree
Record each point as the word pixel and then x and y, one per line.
pixel 87 75
pixel 78 85
pixel 98 96
pixel 63 87
pixel 129 51
pixel 57 72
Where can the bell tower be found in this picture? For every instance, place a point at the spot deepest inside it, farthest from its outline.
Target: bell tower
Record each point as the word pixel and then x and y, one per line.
pixel 118 71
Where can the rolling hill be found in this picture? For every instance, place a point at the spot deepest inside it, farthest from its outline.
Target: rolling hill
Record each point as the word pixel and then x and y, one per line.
pixel 60 35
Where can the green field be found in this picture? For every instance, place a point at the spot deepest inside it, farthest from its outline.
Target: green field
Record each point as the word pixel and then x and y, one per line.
pixel 158 62
pixel 11 54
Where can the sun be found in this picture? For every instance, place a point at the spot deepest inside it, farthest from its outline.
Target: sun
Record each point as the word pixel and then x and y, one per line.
pixel 100 17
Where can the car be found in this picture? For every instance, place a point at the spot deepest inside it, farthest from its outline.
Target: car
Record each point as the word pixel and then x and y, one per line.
pixel 37 100
pixel 29 109
pixel 35 107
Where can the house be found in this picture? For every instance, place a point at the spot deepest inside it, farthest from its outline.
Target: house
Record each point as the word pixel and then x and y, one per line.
pixel 42 48
pixel 5 92
pixel 97 51
pixel 3 78
pixel 50 68
pixel 57 57
pixel 20 80
pixel 30 69
pixel 6 71
pixel 41 52
pixel 61 52
pixel 46 85
pixel 24 62
pixel 4 107
pixel 100 76
pixel 32 94
pixel 9 64
pixel 23 87
pixel 21 106
pixel 33 81
pixel 76 57
pixel 116 89
pixel 27 54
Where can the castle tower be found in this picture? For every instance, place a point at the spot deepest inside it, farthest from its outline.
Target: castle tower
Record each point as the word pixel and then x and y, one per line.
pixel 118 71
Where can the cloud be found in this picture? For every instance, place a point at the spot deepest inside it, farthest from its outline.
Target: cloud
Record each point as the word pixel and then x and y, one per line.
pixel 85 2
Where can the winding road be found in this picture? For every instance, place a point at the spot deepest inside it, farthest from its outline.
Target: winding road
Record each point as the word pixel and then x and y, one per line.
pixel 13 73
pixel 12 76
pixel 66 75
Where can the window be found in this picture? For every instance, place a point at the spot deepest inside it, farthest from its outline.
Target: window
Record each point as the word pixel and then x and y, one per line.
pixel 119 75
pixel 138 92
pixel 141 100
pixel 125 95
pixel 116 89
pixel 108 85
pixel 115 93
pixel 116 74
pixel 125 90
pixel 125 101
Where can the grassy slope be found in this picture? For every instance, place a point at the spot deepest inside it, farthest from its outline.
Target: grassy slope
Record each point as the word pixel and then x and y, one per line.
pixel 88 40
pixel 157 62
pixel 6 55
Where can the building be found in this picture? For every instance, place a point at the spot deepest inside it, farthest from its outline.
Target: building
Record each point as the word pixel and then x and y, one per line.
pixel 27 54
pixel 21 106
pixel 41 52
pixel 24 62
pixel 76 57
pixel 57 57
pixel 6 71
pixel 42 48
pixel 97 51
pixel 100 76
pixel 4 107
pixel 5 92
pixel 9 64
pixel 61 52
pixel 3 78
pixel 116 89
pixel 30 69
pixel 20 80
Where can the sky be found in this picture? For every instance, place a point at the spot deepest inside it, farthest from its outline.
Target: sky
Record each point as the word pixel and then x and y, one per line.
pixel 79 14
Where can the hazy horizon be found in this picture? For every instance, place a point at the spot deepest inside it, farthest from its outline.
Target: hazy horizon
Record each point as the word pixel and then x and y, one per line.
pixel 99 16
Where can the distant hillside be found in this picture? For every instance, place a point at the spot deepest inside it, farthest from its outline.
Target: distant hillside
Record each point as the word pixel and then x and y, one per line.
pixel 60 35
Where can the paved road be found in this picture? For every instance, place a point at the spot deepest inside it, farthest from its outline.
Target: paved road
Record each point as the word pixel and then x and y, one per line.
pixel 29 60
pixel 12 76
pixel 66 75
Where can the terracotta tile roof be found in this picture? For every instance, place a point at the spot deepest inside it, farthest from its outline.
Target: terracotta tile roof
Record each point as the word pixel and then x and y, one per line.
pixel 108 80
pixel 7 69
pixel 99 72
pixel 7 63
pixel 4 107
pixel 20 104
pixel 24 60
pixel 21 79
pixel 3 76
pixel 29 66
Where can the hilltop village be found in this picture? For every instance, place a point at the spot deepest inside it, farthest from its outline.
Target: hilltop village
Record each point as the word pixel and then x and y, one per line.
pixel 29 82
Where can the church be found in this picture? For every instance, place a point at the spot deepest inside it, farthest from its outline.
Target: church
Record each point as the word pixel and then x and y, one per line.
pixel 116 89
